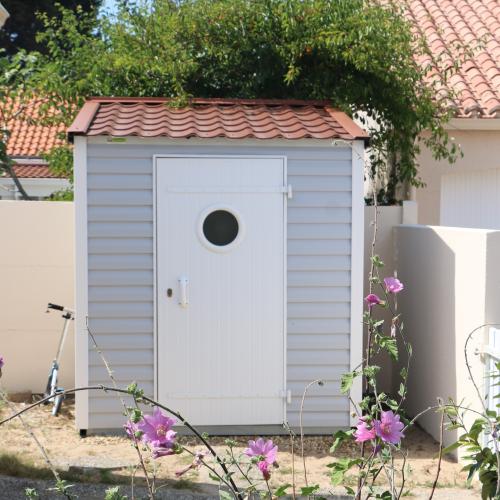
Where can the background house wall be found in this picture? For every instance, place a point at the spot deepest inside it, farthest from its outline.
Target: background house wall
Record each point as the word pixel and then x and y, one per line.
pixel 481 151
pixel 452 281
pixel 36 267
pixel 35 187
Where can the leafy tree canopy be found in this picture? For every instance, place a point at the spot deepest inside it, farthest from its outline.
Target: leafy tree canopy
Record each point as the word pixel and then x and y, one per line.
pixel 23 24
pixel 357 54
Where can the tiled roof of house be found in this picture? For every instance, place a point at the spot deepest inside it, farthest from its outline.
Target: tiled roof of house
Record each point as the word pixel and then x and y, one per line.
pixel 32 171
pixel 40 171
pixel 29 139
pixel 476 23
pixel 211 118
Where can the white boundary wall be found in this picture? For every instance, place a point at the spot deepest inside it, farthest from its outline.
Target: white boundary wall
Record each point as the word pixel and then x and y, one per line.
pixel 452 284
pixel 387 219
pixel 36 267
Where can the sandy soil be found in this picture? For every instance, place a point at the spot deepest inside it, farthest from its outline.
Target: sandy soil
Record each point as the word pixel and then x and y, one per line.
pixel 113 456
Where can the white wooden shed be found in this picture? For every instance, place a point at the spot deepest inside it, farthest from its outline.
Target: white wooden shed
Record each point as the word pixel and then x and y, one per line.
pixel 219 259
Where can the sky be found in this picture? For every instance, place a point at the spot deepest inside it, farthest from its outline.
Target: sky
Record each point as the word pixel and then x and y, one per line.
pixel 110 5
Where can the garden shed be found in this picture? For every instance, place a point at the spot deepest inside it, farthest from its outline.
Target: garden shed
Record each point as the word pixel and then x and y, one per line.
pixel 219 257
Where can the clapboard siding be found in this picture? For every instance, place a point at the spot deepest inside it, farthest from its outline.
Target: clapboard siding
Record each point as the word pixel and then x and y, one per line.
pixel 121 277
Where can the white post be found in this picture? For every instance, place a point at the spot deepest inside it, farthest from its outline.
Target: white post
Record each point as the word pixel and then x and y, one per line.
pixel 410 212
pixel 357 269
pixel 81 284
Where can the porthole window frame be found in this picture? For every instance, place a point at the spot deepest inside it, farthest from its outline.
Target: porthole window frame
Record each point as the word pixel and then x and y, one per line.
pixel 221 248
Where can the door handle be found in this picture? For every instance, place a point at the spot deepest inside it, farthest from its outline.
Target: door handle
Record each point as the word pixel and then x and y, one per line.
pixel 183 299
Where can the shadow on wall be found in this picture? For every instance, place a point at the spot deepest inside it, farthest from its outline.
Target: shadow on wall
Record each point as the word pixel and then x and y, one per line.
pixel 426 265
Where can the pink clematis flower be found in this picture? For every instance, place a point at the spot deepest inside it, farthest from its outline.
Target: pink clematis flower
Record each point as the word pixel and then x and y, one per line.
pixel 265 452
pixel 197 461
pixel 157 430
pixel 393 285
pixel 372 300
pixel 363 432
pixel 389 428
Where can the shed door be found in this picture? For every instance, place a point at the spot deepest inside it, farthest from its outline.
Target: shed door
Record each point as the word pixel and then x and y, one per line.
pixel 220 286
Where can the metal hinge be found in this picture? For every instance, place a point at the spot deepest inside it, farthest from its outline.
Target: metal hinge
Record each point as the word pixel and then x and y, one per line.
pixel 287 396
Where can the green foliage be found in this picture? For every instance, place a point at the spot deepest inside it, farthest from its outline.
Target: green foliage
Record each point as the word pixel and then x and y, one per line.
pixel 134 391
pixel 347 381
pixel 389 344
pixel 31 493
pixel 339 437
pixel 114 494
pixel 281 491
pixel 60 160
pixel 481 460
pixel 377 261
pixel 62 487
pixel 309 490
pixel 340 468
pixel 355 53
pixel 19 32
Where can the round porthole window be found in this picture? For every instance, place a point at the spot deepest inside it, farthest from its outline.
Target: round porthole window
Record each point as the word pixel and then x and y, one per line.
pixel 220 228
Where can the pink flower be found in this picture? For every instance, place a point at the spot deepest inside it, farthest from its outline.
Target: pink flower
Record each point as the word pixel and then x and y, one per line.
pixel 393 285
pixel 363 432
pixel 197 461
pixel 157 430
pixel 264 449
pixel 264 468
pixel 265 452
pixel 389 428
pixel 372 300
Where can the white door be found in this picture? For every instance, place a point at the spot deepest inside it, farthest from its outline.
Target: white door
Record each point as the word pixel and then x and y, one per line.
pixel 220 288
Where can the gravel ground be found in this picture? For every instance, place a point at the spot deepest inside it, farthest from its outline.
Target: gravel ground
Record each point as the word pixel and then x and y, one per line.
pixel 13 489
pixel 98 460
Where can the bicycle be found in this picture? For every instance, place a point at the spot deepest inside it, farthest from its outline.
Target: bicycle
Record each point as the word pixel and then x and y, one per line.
pixel 52 388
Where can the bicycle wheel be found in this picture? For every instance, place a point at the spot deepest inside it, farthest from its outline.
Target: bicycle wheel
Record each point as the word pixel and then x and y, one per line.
pixel 57 404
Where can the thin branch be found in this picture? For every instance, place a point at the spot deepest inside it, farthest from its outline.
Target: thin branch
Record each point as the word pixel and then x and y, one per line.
pixel 42 449
pixel 148 400
pixel 319 382
pixel 441 430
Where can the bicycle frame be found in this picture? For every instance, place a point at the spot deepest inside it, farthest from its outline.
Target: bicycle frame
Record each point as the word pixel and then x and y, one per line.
pixel 52 389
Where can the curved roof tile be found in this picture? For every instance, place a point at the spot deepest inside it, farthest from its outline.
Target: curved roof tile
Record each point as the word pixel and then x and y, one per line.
pixel 477 23
pixel 211 118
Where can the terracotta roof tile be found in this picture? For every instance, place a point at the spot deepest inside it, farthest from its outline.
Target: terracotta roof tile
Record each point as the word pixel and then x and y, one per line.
pixel 28 139
pixel 473 22
pixel 34 171
pixel 210 118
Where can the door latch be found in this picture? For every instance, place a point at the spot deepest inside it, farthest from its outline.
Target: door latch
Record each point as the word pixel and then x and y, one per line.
pixel 183 283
